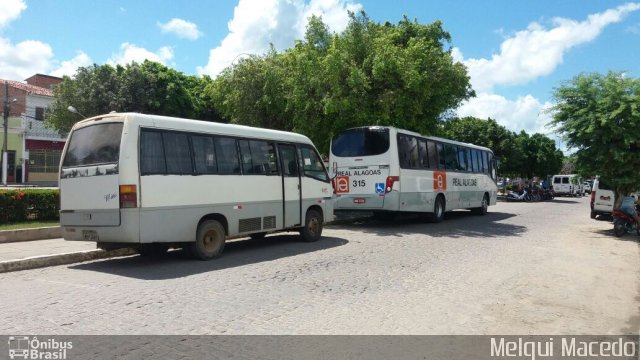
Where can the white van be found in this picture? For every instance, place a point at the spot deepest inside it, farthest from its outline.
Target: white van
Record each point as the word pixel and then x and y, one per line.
pixel 602 199
pixel 569 185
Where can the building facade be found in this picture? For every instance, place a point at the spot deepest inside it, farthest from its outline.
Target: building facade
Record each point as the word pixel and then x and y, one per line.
pixel 33 149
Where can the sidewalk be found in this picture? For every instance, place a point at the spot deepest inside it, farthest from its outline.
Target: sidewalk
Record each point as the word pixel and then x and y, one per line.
pixel 23 255
pixel 27 249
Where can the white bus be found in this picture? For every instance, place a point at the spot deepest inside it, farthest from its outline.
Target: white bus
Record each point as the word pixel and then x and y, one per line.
pixel 154 182
pixel 385 169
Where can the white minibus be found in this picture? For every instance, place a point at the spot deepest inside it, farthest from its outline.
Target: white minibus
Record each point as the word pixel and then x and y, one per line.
pixel 387 170
pixel 154 182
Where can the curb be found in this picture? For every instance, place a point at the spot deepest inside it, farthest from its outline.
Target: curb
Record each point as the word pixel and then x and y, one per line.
pixel 61 259
pixel 8 236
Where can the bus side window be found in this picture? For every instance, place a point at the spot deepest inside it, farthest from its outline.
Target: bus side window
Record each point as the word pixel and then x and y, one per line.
pixel 404 151
pixel 414 156
pixel 227 156
pixel 246 158
pixel 474 160
pixel 462 159
pixel 288 160
pixel 269 150
pixel 204 155
pixel 451 157
pixel 485 162
pixel 177 153
pixel 152 153
pixel 433 154
pixel 263 156
pixel 424 154
pixel 442 164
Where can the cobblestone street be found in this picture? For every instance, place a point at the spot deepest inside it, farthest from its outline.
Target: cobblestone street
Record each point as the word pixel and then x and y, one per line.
pixel 525 268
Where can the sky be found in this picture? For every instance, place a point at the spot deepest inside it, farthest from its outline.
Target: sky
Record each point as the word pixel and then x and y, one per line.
pixel 516 52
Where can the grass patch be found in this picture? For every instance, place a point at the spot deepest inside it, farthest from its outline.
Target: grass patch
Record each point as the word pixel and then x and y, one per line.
pixel 29 225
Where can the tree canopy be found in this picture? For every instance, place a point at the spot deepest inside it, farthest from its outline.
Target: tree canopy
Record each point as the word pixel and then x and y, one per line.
pixel 149 87
pixel 370 74
pixel 599 116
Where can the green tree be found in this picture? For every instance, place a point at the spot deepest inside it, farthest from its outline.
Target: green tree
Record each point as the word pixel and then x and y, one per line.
pixel 92 91
pixel 370 74
pixel 599 116
pixel 251 92
pixel 149 87
pixel 540 157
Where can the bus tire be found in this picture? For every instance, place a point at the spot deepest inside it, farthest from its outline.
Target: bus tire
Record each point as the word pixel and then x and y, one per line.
pixel 152 250
pixel 438 209
pixel 312 230
pixel 210 239
pixel 484 207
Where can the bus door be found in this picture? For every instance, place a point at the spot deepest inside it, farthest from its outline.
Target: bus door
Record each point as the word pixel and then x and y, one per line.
pixel 290 184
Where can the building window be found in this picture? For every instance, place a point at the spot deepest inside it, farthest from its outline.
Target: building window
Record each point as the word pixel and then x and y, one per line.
pixel 44 161
pixel 40 113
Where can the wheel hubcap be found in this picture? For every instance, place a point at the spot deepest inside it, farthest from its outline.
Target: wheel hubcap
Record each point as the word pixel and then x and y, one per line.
pixel 314 225
pixel 210 241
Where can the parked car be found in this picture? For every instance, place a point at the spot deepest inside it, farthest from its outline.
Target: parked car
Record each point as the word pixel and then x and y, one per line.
pixel 602 200
pixel 587 187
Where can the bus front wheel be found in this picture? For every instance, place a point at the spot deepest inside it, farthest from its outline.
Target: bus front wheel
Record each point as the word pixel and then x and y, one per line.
pixel 209 240
pixel 312 230
pixel 484 207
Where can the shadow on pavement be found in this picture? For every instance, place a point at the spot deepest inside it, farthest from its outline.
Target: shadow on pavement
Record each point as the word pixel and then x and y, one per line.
pixel 630 236
pixel 236 253
pixel 457 224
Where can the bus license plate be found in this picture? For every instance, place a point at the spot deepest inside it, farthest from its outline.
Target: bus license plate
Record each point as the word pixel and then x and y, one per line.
pixel 89 235
pixel 359 200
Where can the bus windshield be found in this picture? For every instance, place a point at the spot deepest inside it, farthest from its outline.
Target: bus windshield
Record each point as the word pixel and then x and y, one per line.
pixel 95 144
pixel 361 142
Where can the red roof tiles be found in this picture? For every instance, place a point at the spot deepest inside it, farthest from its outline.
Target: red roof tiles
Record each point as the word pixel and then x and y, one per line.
pixel 31 89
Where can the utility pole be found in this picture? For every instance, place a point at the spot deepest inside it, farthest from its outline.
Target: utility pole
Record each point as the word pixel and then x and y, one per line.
pixel 6 126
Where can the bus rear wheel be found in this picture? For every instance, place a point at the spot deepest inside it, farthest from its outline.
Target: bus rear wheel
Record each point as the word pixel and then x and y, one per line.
pixel 210 239
pixel 312 230
pixel 438 210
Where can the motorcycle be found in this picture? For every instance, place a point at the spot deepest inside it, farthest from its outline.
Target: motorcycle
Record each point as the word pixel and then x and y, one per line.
pixel 515 196
pixel 624 223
